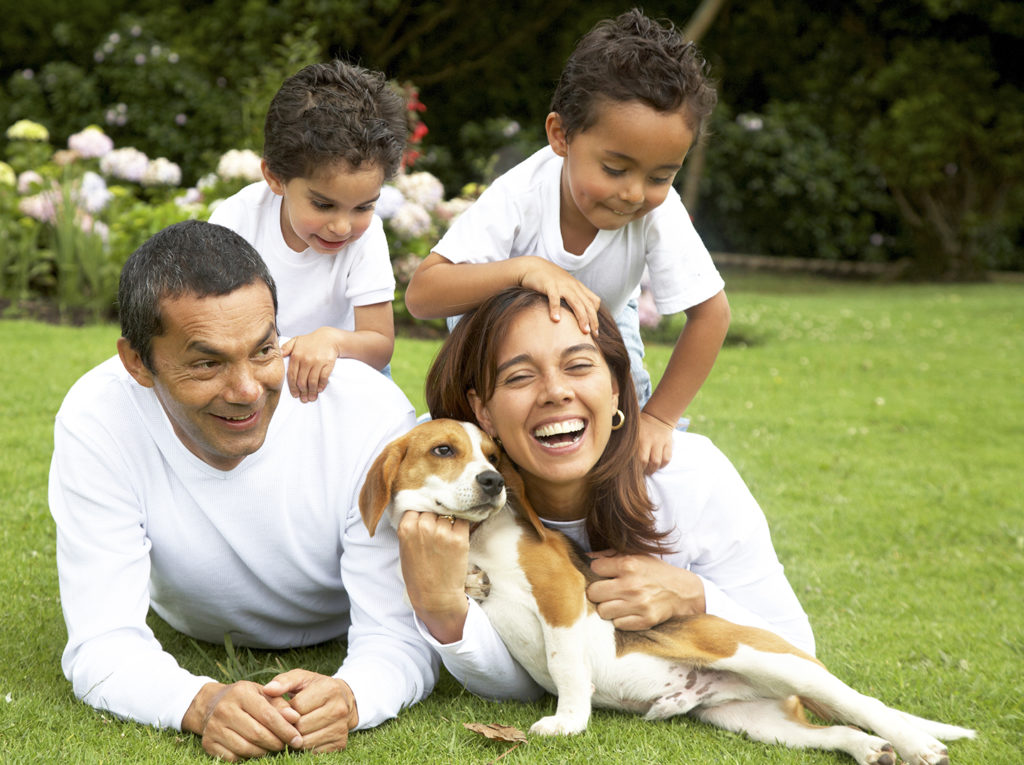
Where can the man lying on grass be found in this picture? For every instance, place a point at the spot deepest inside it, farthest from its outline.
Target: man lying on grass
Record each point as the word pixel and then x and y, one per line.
pixel 183 481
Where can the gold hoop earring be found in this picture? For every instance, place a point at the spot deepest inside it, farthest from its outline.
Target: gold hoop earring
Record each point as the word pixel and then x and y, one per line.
pixel 621 422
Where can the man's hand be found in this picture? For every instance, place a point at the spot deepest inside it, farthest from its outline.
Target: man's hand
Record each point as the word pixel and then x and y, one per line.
pixel 326 708
pixel 643 591
pixel 239 721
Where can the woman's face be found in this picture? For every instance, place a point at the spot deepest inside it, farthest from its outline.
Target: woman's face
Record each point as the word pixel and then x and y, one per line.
pixel 553 400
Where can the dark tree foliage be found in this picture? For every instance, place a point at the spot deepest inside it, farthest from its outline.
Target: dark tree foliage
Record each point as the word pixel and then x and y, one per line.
pixel 897 127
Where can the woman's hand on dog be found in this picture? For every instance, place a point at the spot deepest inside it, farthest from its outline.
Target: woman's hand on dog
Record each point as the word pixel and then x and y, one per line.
pixel 435 556
pixel 641 591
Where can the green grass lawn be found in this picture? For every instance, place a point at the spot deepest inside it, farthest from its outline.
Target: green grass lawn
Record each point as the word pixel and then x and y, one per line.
pixel 881 428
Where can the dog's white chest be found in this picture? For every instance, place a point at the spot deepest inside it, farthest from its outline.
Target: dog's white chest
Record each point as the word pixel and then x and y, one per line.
pixel 510 605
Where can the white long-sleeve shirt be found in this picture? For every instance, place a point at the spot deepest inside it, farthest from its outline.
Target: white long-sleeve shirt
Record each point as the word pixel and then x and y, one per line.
pixel 273 552
pixel 719 532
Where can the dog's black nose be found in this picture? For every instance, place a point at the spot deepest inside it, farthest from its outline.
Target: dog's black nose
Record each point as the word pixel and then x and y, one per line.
pixel 491 482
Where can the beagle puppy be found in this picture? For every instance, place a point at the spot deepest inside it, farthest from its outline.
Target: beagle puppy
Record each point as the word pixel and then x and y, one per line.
pixel 740 678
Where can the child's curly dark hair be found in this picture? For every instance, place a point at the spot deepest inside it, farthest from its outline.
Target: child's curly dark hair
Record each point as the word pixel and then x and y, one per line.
pixel 332 112
pixel 633 58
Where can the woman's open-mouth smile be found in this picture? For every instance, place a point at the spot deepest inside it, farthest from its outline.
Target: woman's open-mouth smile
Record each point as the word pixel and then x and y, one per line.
pixel 559 435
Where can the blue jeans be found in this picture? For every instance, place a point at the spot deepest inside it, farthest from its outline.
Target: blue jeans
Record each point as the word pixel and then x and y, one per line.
pixel 628 322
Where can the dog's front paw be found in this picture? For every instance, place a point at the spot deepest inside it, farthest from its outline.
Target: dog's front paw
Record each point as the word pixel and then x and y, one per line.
pixel 558 725
pixel 478 584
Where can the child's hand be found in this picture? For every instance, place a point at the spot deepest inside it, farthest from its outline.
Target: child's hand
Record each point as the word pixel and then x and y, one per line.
pixel 313 358
pixel 547 278
pixel 655 443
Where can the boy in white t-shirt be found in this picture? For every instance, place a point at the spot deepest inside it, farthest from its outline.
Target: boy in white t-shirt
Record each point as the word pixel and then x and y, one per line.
pixel 334 134
pixel 581 219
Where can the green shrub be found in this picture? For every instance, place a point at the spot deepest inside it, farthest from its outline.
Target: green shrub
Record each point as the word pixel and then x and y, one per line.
pixel 775 184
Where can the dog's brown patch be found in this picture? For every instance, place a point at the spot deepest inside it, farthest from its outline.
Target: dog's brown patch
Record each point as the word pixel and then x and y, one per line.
pixel 701 639
pixel 558 587
pixel 408 461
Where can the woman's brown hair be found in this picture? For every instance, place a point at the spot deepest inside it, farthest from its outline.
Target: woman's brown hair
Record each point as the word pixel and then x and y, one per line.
pixel 622 518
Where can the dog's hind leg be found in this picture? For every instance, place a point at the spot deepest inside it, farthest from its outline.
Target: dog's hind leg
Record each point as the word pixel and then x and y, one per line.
pixel 781 721
pixel 781 675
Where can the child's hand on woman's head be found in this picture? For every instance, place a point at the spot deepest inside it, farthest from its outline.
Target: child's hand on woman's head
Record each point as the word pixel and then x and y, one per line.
pixel 312 358
pixel 558 284
pixel 654 444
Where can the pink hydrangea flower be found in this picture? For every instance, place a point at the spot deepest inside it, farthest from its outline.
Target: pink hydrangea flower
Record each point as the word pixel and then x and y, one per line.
pixel 40 206
pixel 91 143
pixel 29 180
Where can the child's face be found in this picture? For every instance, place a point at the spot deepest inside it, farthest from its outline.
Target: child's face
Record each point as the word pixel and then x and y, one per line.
pixel 329 210
pixel 621 167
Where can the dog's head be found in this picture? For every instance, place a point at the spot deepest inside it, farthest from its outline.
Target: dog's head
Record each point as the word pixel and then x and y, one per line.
pixel 440 466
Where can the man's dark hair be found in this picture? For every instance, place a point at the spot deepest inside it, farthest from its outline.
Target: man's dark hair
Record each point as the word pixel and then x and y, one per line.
pixel 189 258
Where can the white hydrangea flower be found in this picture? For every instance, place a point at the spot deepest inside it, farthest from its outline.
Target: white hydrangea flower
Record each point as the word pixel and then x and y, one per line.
pixel 208 181
pixel 241 164
pixel 7 175
pixel 93 195
pixel 390 201
pixel 128 164
pixel 411 221
pixel 161 172
pixel 422 188
pixel 91 142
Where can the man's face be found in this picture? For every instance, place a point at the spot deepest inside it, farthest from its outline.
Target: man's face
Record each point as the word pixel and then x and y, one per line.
pixel 217 371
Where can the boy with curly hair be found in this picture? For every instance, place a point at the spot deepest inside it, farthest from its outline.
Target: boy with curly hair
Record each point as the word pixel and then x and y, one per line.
pixel 582 218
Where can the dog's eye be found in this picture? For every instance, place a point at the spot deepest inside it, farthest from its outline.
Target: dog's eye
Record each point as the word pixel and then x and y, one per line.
pixel 444 450
pixel 492 458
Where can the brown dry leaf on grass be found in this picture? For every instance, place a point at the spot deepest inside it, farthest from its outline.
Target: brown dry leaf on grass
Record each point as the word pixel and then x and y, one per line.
pixel 497 732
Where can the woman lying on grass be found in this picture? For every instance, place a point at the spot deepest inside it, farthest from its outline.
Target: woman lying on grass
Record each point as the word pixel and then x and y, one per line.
pixel 688 539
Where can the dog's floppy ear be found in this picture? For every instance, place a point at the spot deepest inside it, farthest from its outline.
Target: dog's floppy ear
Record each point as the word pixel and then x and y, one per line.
pixel 516 493
pixel 375 495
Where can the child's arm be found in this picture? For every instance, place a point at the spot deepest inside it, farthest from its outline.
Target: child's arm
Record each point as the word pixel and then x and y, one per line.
pixel 441 288
pixel 313 355
pixel 691 361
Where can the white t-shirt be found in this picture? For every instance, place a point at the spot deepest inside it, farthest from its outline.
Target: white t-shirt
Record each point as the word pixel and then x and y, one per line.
pixel 719 533
pixel 313 290
pixel 273 552
pixel 519 215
